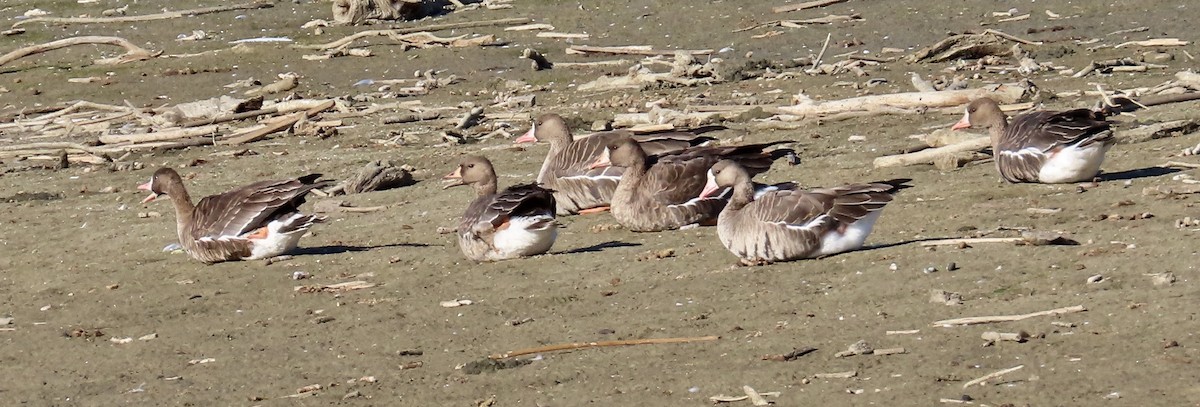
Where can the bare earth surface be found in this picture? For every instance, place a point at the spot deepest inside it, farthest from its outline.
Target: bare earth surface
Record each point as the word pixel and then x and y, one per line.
pixel 75 261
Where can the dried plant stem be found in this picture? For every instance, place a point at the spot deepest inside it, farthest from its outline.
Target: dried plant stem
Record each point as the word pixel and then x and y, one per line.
pixel 585 345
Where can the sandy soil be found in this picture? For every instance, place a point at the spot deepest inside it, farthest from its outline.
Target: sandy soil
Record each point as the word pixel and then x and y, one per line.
pixel 77 261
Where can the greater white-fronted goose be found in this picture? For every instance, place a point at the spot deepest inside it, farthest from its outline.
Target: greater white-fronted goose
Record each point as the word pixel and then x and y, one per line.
pixel 515 222
pixel 256 221
pixel 578 188
pixel 787 225
pixel 662 192
pixel 1047 147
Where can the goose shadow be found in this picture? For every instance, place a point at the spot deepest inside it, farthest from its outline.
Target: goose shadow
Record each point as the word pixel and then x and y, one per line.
pixel 337 248
pixel 600 247
pixel 887 245
pixel 1136 173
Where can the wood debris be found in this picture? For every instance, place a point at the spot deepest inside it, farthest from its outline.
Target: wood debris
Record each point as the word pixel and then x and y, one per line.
pixel 1008 318
pixel 984 379
pixel 334 288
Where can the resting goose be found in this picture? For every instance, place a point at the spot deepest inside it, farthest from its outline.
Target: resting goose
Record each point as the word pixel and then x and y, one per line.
pixel 662 192
pixel 516 222
pixel 577 188
pixel 256 221
pixel 1046 147
pixel 787 225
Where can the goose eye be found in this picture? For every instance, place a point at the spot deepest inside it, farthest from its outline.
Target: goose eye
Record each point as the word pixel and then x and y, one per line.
pixel 470 165
pixel 971 110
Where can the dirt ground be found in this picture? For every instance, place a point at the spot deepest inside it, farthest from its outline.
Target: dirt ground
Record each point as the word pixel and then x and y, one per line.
pixel 75 261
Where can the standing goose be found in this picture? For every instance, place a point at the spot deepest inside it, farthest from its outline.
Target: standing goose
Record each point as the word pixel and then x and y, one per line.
pixel 256 221
pixel 516 222
pixel 577 188
pixel 1046 147
pixel 662 192
pixel 787 225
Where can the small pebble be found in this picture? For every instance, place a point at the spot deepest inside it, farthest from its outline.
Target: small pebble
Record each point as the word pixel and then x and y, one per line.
pixel 930 269
pixel 1095 279
pixel 300 275
pixel 952 266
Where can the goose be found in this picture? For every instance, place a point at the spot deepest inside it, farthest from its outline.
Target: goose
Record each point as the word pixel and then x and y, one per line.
pixel 582 190
pixel 256 221
pixel 782 225
pixel 516 222
pixel 1043 146
pixel 662 192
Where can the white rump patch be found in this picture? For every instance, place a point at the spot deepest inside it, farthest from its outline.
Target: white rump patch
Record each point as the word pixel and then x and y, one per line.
pixel 526 236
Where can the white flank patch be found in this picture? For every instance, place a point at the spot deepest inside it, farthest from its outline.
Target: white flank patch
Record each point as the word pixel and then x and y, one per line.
pixel 277 243
pixel 523 238
pixel 834 242
pixel 1073 164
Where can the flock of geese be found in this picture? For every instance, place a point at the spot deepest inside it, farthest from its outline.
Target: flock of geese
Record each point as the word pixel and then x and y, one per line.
pixel 648 183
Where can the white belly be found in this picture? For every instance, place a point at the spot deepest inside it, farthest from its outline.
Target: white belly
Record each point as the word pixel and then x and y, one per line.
pixel 522 238
pixel 276 243
pixel 852 239
pixel 1074 164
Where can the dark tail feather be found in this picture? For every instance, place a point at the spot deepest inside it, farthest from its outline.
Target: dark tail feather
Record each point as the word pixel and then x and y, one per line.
pixel 897 184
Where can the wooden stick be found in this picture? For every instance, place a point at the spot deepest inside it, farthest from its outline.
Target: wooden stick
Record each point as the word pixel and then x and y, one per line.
pixel 147 17
pixel 410 30
pixel 804 6
pixel 1170 164
pixel 58 145
pixel 1008 318
pixel 273 125
pixel 586 345
pixel 992 375
pixel 170 134
pixel 132 52
pixel 817 62
pixel 1007 93
pixel 755 398
pixel 230 117
pixel 929 155
pixel 953 242
pixel 632 50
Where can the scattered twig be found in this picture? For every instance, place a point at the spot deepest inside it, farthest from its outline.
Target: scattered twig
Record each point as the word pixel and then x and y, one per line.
pixel 163 135
pixel 411 30
pixel 990 376
pixel 146 17
pixel 733 399
pixel 632 50
pixel 790 356
pixel 838 375
pixel 805 5
pixel 1156 42
pixel 755 398
pixel 1008 318
pixel 817 61
pixel 586 345
pixel 1007 93
pixel 132 52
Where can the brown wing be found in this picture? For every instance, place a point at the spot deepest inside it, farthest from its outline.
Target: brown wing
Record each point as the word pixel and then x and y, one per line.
pixel 1049 130
pixel 250 207
pixel 528 200
pixel 823 208
pixel 575 159
pixel 679 177
pixel 1030 138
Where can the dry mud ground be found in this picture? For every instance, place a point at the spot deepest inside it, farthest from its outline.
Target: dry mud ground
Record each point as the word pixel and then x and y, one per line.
pixel 86 261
